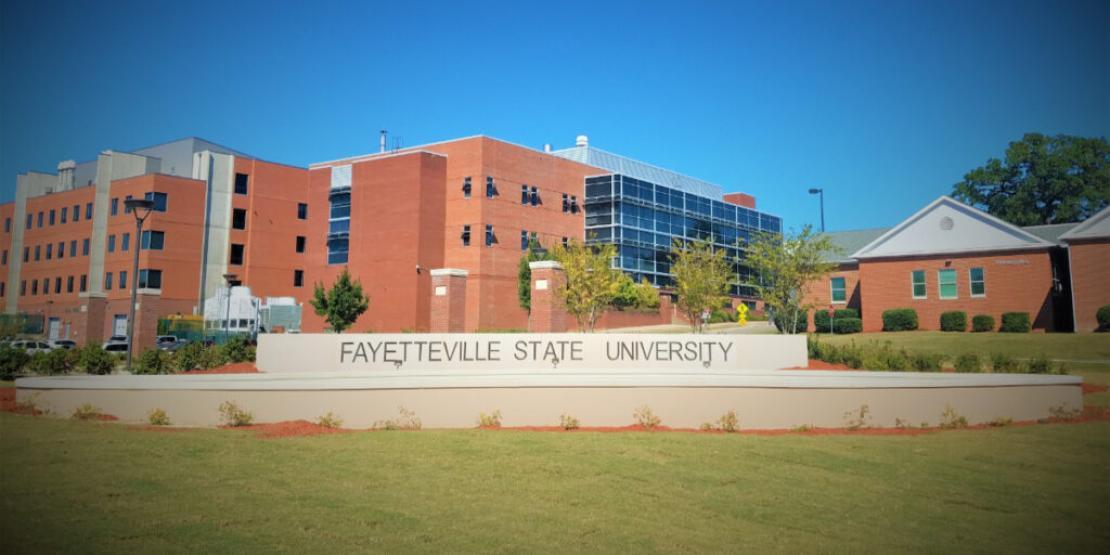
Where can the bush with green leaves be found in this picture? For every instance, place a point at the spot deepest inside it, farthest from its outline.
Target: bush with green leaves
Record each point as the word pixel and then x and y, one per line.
pixel 1103 317
pixel 189 357
pixel 821 318
pixel 899 319
pixel 848 325
pixel 926 362
pixel 237 349
pixel 86 412
pixel 158 417
pixel 955 320
pixel 232 415
pixel 1002 363
pixel 12 362
pixel 95 360
pixel 52 363
pixel 982 323
pixel 1015 322
pixel 154 361
pixel 968 363
pixel 1040 364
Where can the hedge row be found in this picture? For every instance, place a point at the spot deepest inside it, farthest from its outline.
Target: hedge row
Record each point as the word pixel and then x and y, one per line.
pixel 92 359
pixel 882 356
pixel 905 319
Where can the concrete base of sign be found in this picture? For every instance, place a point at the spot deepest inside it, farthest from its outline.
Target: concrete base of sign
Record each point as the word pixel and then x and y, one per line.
pixel 776 399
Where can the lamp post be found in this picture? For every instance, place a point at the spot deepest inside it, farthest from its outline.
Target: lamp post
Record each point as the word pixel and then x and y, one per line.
pixel 821 194
pixel 140 207
pixel 227 314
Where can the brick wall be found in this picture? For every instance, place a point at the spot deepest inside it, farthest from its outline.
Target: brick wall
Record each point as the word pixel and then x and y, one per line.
pixel 1015 282
pixel 819 293
pixel 448 303
pixel 1090 280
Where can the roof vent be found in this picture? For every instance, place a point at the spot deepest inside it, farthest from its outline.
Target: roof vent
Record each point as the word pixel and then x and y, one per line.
pixel 582 140
pixel 547 147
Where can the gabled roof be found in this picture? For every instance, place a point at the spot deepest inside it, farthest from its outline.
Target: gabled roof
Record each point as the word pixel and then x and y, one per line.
pixel 1095 227
pixel 1050 232
pixel 949 226
pixel 848 242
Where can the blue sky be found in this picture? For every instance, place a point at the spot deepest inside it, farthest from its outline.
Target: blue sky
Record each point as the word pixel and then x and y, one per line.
pixel 885 105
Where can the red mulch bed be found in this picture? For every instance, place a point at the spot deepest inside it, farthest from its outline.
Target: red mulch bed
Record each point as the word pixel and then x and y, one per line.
pixel 815 364
pixel 7 399
pixel 289 428
pixel 233 368
pixel 1089 388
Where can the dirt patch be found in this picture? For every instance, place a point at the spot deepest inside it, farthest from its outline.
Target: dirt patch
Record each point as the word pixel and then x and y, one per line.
pixel 7 399
pixel 232 368
pixel 288 428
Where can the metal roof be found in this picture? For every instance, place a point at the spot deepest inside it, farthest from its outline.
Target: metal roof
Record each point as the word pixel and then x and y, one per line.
pixel 848 242
pixel 639 170
pixel 1050 232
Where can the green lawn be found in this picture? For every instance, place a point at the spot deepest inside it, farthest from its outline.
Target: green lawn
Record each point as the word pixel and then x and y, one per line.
pixel 77 486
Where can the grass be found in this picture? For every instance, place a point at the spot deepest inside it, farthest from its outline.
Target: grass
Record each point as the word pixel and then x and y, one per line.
pixel 81 486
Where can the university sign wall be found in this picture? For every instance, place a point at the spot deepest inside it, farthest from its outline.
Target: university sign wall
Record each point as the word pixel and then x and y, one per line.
pixel 516 352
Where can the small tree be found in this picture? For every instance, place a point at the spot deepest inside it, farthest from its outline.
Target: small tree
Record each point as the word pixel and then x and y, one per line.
pixel 591 281
pixel 786 266
pixel 341 305
pixel 701 278
pixel 629 294
pixel 524 273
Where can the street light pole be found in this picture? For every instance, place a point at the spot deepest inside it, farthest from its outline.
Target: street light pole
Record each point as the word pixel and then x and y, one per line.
pixel 141 209
pixel 821 194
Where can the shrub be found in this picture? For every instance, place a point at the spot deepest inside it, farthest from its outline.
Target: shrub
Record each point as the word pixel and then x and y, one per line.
pixel 821 319
pixel 926 362
pixel 1002 363
pixel 950 419
pixel 1015 322
pixel 982 322
pixel 719 316
pixel 154 361
pixel 1103 317
pixel 237 349
pixel 86 412
pixel 406 421
pixel 95 360
pixel 968 363
pixel 1040 364
pixel 568 422
pixel 189 357
pixel 848 325
pixel 856 420
pixel 52 363
pixel 955 320
pixel 12 362
pixel 329 420
pixel 492 420
pixel 783 320
pixel 232 415
pixel 158 417
pixel 645 418
pixel 899 319
pixel 1001 422
pixel 727 423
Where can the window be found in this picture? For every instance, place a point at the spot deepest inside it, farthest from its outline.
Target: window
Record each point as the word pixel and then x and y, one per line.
pixel 917 278
pixel 34 287
pixel 300 243
pixel 946 279
pixel 127 209
pixel 238 218
pixel 337 250
pixel 62 249
pixel 76 213
pixel 160 200
pixel 534 196
pixel 85 247
pixel 123 280
pixel 566 203
pixel 88 211
pixel 108 281
pixel 236 254
pixel 38 252
pixel 40 220
pixel 45 286
pixel 978 282
pixel 84 283
pixel 839 290
pixel 466 187
pixel 23 287
pixel 490 238
pixel 302 211
pixel 150 279
pixel 69 284
pixel 115 206
pixel 154 240
pixel 2 289
pixel 125 242
pixel 52 215
pixel 111 243
pixel 65 213
pixel 298 278
pixel 49 251
pixel 573 204
pixel 30 220
pixel 4 258
pixel 57 285
pixel 524 194
pixel 466 236
pixel 241 183
pixel 491 189
pixel 26 253
pixel 73 248
pixel 566 242
pixel 523 240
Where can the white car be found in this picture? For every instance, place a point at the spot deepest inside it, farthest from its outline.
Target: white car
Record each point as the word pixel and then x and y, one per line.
pixel 31 347
pixel 113 343
pixel 63 344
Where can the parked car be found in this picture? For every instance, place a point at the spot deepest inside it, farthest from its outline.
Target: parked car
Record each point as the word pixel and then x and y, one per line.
pixel 115 341
pixel 31 346
pixel 169 342
pixel 63 344
pixel 115 347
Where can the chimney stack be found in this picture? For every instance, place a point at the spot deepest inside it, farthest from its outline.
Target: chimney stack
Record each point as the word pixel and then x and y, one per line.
pixel 581 141
pixel 382 142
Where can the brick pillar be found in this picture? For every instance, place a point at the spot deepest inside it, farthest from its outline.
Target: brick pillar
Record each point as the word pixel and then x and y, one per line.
pixel 89 322
pixel 448 304
pixel 548 315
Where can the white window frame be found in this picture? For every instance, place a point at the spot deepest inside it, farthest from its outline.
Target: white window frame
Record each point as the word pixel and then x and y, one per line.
pixel 971 283
pixel 831 289
pixel 925 282
pixel 940 285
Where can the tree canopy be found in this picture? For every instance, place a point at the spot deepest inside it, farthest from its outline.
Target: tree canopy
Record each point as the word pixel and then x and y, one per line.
pixel 524 273
pixel 701 278
pixel 786 267
pixel 1043 180
pixel 341 305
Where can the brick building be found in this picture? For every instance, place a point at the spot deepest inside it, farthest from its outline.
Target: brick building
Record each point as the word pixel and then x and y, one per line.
pixel 952 257
pixel 452 216
pixel 1089 260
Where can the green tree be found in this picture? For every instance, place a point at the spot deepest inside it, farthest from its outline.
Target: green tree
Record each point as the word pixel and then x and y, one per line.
pixel 341 305
pixel 786 267
pixel 524 273
pixel 1043 180
pixel 629 294
pixel 590 281
pixel 701 278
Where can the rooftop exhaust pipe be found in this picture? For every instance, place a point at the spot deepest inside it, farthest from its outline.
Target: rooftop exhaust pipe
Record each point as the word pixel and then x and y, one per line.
pixel 581 141
pixel 547 147
pixel 381 144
